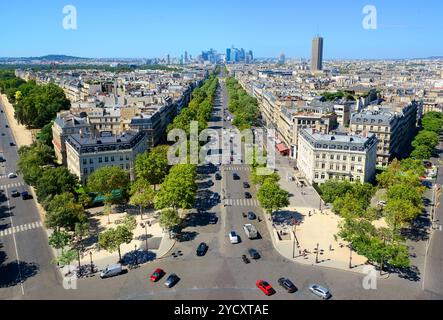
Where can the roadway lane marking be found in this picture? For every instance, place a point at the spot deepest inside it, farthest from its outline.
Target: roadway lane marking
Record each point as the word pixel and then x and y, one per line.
pixel 21 228
pixel 16 251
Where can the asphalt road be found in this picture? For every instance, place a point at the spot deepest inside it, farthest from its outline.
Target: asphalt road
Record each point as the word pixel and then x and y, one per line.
pixel 25 255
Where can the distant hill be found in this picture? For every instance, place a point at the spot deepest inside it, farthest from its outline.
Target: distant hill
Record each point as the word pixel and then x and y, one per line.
pixel 47 58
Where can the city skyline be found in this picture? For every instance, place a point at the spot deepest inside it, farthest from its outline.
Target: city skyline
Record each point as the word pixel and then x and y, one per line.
pixel 339 23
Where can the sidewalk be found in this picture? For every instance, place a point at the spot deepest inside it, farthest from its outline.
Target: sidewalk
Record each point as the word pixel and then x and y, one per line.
pixel 22 135
pixel 312 230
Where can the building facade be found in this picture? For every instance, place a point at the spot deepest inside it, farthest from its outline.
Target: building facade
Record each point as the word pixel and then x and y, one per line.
pixel 317 54
pixel 322 157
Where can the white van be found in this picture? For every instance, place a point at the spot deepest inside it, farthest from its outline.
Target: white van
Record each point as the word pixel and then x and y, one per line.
pixel 111 271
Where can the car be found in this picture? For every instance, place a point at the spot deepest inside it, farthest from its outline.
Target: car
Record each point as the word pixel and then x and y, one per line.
pixel 233 237
pixel 245 259
pixel 265 287
pixel 235 176
pixel 11 144
pixel 111 271
pixel 157 275
pixel 213 220
pixel 6 126
pixel 252 216
pixel 246 185
pixel 12 175
pixel 202 249
pixel 172 280
pixel 287 284
pixel 218 176
pixel 15 193
pixel 248 195
pixel 254 254
pixel 320 291
pixel 25 195
pixel 2 159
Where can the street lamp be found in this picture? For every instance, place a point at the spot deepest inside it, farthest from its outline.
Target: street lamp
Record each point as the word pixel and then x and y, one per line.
pixel 350 257
pixel 146 236
pixel 135 254
pixel 92 266
pixel 316 253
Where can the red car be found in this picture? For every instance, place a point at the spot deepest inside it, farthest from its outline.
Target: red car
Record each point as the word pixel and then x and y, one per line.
pixel 265 287
pixel 158 273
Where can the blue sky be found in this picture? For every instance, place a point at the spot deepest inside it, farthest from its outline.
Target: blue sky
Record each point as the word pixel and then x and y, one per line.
pixel 136 28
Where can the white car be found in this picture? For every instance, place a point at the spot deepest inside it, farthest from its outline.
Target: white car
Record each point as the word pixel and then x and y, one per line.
pixel 12 175
pixel 320 291
pixel 233 237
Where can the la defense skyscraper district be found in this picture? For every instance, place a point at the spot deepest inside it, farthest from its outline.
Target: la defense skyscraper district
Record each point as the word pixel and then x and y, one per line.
pixel 317 54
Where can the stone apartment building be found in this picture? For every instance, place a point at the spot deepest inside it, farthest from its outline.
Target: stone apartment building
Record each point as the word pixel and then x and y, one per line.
pixel 394 126
pixel 342 156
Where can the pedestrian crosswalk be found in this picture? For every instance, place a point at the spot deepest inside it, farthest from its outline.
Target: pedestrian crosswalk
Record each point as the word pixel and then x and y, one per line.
pixel 242 202
pixel 21 228
pixel 12 185
pixel 237 168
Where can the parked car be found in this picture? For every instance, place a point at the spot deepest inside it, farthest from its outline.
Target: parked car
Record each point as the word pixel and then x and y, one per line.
pixel 202 249
pixel 233 237
pixel 157 275
pixel 172 280
pixel 245 259
pixel 265 287
pixel 218 176
pixel 12 175
pixel 2 159
pixel 235 176
pixel 320 291
pixel 254 254
pixel 6 126
pixel 111 271
pixel 246 185
pixel 25 195
pixel 15 193
pixel 287 284
pixel 11 144
pixel 213 220
pixel 252 216
pixel 248 195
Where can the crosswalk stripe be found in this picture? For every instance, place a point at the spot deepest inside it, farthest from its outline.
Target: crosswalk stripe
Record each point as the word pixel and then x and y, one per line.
pixel 1 233
pixel 32 225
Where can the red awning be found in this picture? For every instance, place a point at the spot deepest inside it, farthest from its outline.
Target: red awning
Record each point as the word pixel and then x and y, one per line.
pixel 281 147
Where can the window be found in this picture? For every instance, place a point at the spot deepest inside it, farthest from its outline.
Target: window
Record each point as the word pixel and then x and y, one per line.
pixel 316 176
pixel 100 160
pixel 112 159
pixel 331 166
pixel 85 171
pixel 344 168
pixel 91 170
pixel 323 156
pixel 121 166
pixel 322 175
pixel 127 157
pixel 106 159
pixel 127 166
pixel 359 159
pixel 338 157
pixel 332 157
pixel 352 168
pixel 91 161
pixel 121 158
pixel 345 158
pixel 85 161
pixel 337 167
pixel 322 165
pixel 353 158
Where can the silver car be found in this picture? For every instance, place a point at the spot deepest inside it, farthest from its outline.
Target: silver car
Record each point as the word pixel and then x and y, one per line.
pixel 320 291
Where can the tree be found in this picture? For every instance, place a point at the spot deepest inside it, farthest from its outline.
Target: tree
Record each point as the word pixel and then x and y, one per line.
pixel 55 181
pixel 66 258
pixel 432 121
pixel 59 240
pixel 179 188
pixel 421 152
pixel 272 197
pixel 81 230
pixel 398 212
pixel 142 195
pixel 129 222
pixel 45 135
pixel 406 192
pixel 332 189
pixel 112 239
pixel 169 218
pixel 64 212
pixel 426 138
pixel 153 166
pixel 32 159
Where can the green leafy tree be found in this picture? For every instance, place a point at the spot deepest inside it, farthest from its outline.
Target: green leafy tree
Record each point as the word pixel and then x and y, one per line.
pixel 421 152
pixel 59 240
pixel 426 138
pixel 332 189
pixel 64 212
pixel 66 258
pixel 169 218
pixel 45 135
pixel 130 222
pixel 179 189
pixel 32 159
pixel 272 198
pixel 399 212
pixel 55 181
pixel 153 166
pixel 112 239
pixel 142 195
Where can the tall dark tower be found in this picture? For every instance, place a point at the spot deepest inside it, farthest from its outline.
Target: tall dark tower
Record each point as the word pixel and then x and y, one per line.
pixel 317 54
